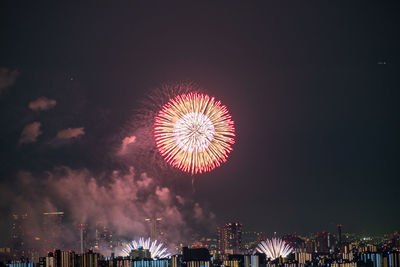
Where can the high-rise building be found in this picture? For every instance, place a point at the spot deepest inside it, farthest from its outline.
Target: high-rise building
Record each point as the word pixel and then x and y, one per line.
pixel 195 257
pixel 103 238
pixel 302 257
pixel 140 254
pixel 195 254
pixel 230 238
pixel 154 228
pixel 231 263
pixel 18 234
pixel 375 259
pixel 235 260
pixel 250 240
pixel 67 258
pixel 339 233
pixel 52 225
pixel 395 240
pixel 310 245
pixel 325 242
pixel 128 262
pixel 294 241
pixel 255 260
pixel 82 237
pixel 53 219
pixel 89 259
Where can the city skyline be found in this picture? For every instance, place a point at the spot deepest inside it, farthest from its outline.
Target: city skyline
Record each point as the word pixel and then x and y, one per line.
pixel 232 247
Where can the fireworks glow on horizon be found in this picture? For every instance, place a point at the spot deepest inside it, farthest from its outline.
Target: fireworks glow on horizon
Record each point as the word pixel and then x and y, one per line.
pixel 194 132
pixel 274 248
pixel 156 248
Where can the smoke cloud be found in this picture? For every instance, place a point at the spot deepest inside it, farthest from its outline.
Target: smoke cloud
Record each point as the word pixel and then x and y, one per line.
pixel 70 133
pixel 113 195
pixel 120 200
pixel 125 142
pixel 42 103
pixel 30 133
pixel 7 78
pixel 138 143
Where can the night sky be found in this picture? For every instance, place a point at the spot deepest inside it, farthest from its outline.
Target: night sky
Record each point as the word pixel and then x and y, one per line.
pixel 313 88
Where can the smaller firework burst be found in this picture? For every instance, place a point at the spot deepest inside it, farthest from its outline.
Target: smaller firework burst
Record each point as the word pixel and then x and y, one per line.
pixel 274 248
pixel 156 248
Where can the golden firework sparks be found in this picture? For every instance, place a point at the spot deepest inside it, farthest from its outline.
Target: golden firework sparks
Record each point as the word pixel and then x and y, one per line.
pixel 194 132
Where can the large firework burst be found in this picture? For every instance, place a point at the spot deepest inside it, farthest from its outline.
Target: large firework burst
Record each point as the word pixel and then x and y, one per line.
pixel 194 132
pixel 157 249
pixel 274 248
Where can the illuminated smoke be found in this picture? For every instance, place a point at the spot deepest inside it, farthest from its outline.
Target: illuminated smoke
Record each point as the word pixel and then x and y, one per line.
pixel 143 152
pixel 109 198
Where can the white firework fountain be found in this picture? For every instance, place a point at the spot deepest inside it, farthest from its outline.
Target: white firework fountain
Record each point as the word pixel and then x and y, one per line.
pixel 274 248
pixel 156 248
